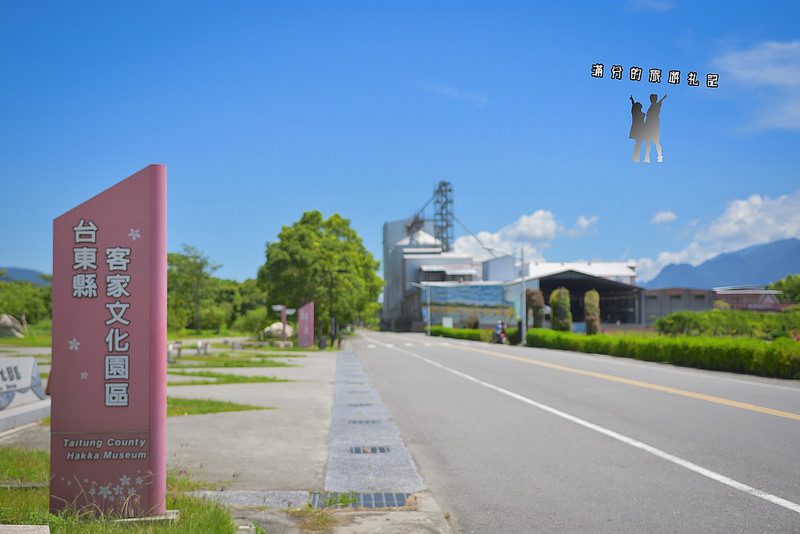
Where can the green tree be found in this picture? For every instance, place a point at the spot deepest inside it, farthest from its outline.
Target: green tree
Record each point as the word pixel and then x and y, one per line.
pixel 253 321
pixel 188 285
pixel 535 303
pixel 321 260
pixel 18 298
pixel 560 313
pixel 225 295
pixel 591 311
pixel 253 296
pixel 790 285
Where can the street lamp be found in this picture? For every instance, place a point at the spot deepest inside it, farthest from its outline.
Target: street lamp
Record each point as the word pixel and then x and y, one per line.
pixel 428 287
pixel 330 272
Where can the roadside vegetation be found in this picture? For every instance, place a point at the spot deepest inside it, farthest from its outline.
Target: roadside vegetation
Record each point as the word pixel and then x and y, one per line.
pixel 202 378
pixel 777 359
pixel 177 406
pixel 732 323
pixel 25 498
pixel 764 344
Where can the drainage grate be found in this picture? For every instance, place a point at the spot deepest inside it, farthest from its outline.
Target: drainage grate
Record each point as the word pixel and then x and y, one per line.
pixel 369 450
pixel 363 422
pixel 359 404
pixel 360 500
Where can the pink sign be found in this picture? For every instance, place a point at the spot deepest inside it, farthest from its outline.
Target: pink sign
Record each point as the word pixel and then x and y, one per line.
pixel 108 380
pixel 305 326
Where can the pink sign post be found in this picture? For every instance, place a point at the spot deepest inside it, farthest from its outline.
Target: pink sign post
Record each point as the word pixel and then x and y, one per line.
pixel 305 326
pixel 108 380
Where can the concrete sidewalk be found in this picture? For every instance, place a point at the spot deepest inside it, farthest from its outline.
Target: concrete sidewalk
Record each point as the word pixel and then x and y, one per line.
pixel 262 463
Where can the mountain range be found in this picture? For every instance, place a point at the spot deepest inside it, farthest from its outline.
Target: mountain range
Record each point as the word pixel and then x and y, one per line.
pixel 16 274
pixel 756 265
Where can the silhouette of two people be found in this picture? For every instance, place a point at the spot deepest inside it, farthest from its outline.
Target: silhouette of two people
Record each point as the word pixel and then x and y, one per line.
pixel 648 130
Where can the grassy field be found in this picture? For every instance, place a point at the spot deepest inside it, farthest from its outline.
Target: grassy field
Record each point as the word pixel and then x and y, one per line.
pixel 178 406
pixel 24 495
pixel 210 377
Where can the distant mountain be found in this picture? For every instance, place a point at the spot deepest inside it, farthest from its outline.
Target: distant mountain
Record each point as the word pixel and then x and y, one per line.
pixel 756 265
pixel 15 274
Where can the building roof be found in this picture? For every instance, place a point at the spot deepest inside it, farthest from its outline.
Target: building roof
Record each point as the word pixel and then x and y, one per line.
pixel 600 269
pixel 450 270
pixel 746 290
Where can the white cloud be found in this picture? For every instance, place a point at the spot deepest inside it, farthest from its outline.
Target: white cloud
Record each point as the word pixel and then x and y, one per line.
pixel 663 217
pixel 455 93
pixel 583 226
pixel 538 226
pixel 752 221
pixel 768 63
pixel 534 232
pixel 775 68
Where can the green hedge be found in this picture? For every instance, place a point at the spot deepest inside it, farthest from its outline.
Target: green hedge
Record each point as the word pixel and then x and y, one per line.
pixel 779 358
pixel 462 333
pixel 513 335
pixel 736 323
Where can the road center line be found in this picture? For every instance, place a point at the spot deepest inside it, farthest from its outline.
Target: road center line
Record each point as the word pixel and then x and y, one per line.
pixel 686 464
pixel 646 385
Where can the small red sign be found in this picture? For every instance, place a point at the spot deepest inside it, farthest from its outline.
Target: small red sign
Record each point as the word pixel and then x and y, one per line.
pixel 305 326
pixel 108 379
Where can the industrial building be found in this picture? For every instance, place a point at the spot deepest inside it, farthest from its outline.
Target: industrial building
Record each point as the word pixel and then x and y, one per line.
pixel 423 276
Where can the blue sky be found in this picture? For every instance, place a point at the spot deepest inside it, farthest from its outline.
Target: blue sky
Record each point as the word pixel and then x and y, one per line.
pixel 263 110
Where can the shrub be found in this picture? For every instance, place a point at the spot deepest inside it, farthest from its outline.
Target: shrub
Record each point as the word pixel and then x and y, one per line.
pixel 252 322
pixel 737 323
pixel 778 359
pixel 535 303
pixel 560 315
pixel 471 334
pixel 591 311
pixel 472 322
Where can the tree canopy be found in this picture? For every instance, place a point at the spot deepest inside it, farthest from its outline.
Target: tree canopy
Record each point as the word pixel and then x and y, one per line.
pixel 316 257
pixel 190 286
pixel 790 285
pixel 24 298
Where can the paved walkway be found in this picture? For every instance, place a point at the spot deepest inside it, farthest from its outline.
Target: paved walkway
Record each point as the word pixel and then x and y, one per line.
pixel 263 462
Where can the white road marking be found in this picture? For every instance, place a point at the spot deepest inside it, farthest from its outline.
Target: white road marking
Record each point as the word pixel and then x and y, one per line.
pixel 686 464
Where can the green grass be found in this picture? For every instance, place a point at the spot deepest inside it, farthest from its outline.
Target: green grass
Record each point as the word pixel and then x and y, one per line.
pixel 220 378
pixel 29 505
pixel 314 520
pixel 23 466
pixel 227 360
pixel 190 333
pixel 269 348
pixel 177 406
pixel 34 340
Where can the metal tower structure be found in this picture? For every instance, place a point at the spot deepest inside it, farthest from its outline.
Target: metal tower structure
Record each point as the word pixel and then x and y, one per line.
pixel 443 214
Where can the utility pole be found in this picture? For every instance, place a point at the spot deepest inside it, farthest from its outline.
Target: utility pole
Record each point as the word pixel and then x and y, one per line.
pixel 428 287
pixel 330 272
pixel 524 297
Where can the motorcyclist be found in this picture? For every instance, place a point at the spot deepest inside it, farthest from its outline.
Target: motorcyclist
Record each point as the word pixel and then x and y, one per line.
pixel 499 329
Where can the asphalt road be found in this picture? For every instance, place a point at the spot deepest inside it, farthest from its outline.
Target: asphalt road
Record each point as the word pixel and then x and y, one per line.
pixel 521 440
